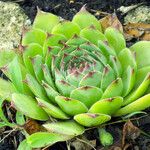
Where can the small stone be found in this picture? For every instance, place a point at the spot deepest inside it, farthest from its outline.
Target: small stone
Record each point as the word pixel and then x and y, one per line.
pixel 12 21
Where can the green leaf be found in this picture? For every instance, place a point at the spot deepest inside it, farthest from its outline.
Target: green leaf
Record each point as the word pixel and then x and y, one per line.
pixel 43 139
pixel 84 19
pixel 92 34
pixel 16 75
pixel 92 78
pixel 142 51
pixel 45 21
pixel 138 105
pixel 87 94
pixel 28 106
pixel 20 118
pixel 115 39
pixel 66 28
pixel 6 56
pixel 114 89
pixel 37 62
pixel 34 36
pixel 6 89
pixel 91 119
pixel 24 146
pixel 126 59
pixel 128 79
pixel 70 106
pixel 69 128
pixel 39 90
pixel 138 92
pixel 107 106
pixel 30 51
pixel 51 109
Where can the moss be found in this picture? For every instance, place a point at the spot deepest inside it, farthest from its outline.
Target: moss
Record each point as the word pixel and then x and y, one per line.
pixel 12 20
pixel 140 14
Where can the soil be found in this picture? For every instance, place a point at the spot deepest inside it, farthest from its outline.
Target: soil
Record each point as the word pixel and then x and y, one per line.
pixel 66 9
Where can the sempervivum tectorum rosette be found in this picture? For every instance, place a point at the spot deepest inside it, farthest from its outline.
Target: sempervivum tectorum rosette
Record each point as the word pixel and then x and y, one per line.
pixel 70 70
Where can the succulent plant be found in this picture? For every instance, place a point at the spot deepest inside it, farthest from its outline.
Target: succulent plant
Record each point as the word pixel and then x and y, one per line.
pixel 71 74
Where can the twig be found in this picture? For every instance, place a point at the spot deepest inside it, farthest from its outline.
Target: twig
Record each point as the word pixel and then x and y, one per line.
pixel 86 143
pixel 7 135
pixel 119 121
pixel 68 145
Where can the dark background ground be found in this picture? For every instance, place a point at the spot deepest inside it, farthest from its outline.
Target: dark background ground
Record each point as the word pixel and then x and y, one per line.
pixel 66 9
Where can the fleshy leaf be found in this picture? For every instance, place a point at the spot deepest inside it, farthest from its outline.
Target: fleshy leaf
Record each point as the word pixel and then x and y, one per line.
pixel 92 78
pixel 69 128
pixel 87 95
pixel 28 106
pixel 114 89
pixel 142 51
pixel 128 79
pixel 115 39
pixel 35 87
pixel 136 93
pixel 45 21
pixel 84 19
pixel 91 119
pixel 6 89
pixel 24 146
pixel 34 36
pixel 30 51
pixel 107 106
pixel 70 106
pixel 43 139
pixel 138 105
pixel 52 110
pixel 6 56
pixel 92 35
pixel 66 28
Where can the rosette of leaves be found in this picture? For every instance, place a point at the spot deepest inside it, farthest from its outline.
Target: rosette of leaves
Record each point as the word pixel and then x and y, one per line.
pixel 71 74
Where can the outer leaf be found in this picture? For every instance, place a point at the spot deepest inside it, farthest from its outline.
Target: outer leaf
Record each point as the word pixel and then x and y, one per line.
pixel 42 139
pixel 69 128
pixel 24 146
pixel 28 106
pixel 126 59
pixel 66 28
pixel 139 91
pixel 45 21
pixel 6 56
pixel 84 19
pixel 6 89
pixel 87 95
pixel 115 39
pixel 114 89
pixel 91 119
pixel 36 87
pixel 20 118
pixel 52 110
pixel 92 35
pixel 34 36
pixel 128 79
pixel 107 106
pixel 70 106
pixel 30 51
pixel 16 75
pixel 142 50
pixel 140 104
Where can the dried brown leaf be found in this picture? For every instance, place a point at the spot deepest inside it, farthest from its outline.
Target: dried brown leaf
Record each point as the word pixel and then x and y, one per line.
pixel 31 126
pixel 139 31
pixel 129 132
pixel 111 20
